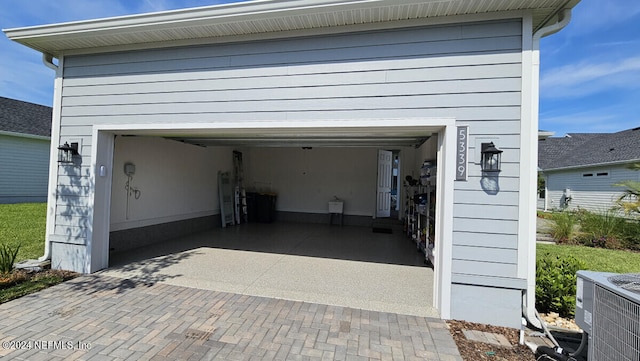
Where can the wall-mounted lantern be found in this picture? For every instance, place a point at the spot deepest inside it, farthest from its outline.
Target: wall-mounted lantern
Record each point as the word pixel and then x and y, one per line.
pixel 66 152
pixel 491 155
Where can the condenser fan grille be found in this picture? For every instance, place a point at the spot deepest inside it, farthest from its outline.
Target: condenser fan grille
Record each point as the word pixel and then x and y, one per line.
pixel 629 282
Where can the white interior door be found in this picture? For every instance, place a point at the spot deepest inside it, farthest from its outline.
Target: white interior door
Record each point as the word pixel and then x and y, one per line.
pixel 383 199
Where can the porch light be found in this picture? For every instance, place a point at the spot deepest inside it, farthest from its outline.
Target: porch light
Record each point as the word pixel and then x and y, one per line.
pixel 490 157
pixel 66 152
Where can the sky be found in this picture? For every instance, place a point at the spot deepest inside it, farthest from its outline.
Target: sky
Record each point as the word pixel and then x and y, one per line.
pixel 589 72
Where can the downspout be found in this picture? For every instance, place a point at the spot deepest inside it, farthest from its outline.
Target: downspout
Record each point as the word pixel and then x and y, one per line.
pixel 546 193
pixel 47 59
pixel 564 17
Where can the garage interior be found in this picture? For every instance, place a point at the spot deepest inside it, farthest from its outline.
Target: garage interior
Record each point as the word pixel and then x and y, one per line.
pixel 166 224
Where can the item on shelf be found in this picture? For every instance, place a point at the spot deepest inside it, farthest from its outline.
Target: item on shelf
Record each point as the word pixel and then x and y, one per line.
pixel 421 198
pixel 410 181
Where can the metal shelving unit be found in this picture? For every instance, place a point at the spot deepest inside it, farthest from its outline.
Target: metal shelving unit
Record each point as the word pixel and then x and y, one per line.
pixel 420 213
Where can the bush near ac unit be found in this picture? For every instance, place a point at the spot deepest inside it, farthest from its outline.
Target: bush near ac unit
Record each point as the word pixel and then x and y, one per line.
pixel 556 283
pixel 555 276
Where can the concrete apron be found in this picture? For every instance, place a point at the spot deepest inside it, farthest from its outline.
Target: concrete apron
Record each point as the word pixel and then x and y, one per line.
pixel 342 266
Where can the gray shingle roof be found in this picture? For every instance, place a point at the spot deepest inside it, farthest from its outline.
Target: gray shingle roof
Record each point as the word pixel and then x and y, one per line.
pixel 584 149
pixel 26 118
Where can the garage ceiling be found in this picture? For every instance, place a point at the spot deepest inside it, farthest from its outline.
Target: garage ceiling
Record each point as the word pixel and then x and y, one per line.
pixel 345 141
pixel 375 136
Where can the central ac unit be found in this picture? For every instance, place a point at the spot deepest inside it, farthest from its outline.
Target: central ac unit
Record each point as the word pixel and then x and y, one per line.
pixel 608 310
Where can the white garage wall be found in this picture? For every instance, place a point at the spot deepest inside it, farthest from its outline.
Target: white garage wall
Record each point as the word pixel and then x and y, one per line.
pixel 176 181
pixel 305 180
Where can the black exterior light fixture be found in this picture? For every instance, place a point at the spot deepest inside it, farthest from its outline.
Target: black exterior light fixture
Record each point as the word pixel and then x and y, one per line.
pixel 491 155
pixel 66 152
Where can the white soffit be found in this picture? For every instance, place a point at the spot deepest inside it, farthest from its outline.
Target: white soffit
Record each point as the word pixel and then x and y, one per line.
pixel 261 16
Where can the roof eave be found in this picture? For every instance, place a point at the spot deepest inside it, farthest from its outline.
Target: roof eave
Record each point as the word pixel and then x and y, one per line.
pixel 619 162
pixel 553 17
pixel 258 16
pixel 24 135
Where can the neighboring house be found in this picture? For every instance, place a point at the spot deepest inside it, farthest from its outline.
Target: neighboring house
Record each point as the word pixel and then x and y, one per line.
pixel 309 91
pixel 25 139
pixel 581 169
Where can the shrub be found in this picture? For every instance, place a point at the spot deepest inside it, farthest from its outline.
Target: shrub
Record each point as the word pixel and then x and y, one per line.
pixel 556 283
pixel 7 257
pixel 602 229
pixel 563 227
pixel 631 235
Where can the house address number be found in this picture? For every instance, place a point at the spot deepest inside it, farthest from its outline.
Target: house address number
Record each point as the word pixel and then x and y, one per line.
pixel 462 145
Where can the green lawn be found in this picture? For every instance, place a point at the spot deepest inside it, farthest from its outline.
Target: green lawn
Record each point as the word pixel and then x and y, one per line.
pixel 24 224
pixel 597 259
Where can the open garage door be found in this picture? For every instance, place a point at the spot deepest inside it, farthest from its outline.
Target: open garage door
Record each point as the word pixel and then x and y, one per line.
pixel 179 171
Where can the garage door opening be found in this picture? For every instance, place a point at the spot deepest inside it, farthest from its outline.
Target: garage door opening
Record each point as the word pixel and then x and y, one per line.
pixel 301 246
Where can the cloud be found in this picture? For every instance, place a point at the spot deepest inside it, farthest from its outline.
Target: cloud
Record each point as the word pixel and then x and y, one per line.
pixel 22 74
pixel 589 117
pixel 585 78
pixel 591 16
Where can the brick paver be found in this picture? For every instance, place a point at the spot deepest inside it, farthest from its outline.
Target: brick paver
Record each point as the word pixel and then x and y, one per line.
pixel 96 317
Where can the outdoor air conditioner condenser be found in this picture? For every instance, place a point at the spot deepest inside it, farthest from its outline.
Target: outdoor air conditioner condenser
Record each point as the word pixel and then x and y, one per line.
pixel 608 310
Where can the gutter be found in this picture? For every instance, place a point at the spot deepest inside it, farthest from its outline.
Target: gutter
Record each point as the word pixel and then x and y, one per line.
pixel 564 17
pixel 620 162
pixel 24 135
pixel 529 296
pixel 47 59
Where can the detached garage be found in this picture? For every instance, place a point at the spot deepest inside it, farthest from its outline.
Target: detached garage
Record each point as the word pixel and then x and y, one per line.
pixel 323 99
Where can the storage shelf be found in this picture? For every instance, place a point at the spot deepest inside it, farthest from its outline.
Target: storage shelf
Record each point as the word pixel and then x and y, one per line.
pixel 420 219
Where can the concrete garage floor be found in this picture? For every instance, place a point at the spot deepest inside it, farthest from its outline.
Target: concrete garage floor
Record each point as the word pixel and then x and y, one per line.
pixel 343 266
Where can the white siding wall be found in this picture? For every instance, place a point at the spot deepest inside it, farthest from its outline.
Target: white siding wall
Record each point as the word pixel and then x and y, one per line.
pixel 24 169
pixel 471 72
pixel 595 193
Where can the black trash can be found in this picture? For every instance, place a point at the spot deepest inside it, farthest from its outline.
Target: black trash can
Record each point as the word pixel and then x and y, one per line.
pixel 261 207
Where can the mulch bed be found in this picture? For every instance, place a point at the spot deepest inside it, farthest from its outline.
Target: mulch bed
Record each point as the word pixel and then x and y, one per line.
pixel 473 350
pixel 18 276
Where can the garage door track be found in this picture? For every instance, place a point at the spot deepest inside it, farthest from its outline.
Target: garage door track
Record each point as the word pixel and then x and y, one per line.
pixel 96 317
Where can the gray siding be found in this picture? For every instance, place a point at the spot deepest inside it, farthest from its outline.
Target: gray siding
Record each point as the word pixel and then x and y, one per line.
pixel 468 71
pixel 24 169
pixel 596 192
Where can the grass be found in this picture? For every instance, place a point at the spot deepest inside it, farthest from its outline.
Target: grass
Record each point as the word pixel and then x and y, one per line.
pixel 24 224
pixel 596 259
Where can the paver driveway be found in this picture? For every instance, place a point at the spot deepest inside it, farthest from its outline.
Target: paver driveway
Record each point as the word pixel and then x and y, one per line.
pixel 96 317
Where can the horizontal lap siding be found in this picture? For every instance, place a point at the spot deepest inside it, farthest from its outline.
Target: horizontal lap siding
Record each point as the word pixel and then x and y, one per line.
pixel 595 193
pixel 471 72
pixel 24 169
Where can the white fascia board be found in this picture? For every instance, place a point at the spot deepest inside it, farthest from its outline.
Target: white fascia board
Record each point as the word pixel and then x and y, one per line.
pixel 605 164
